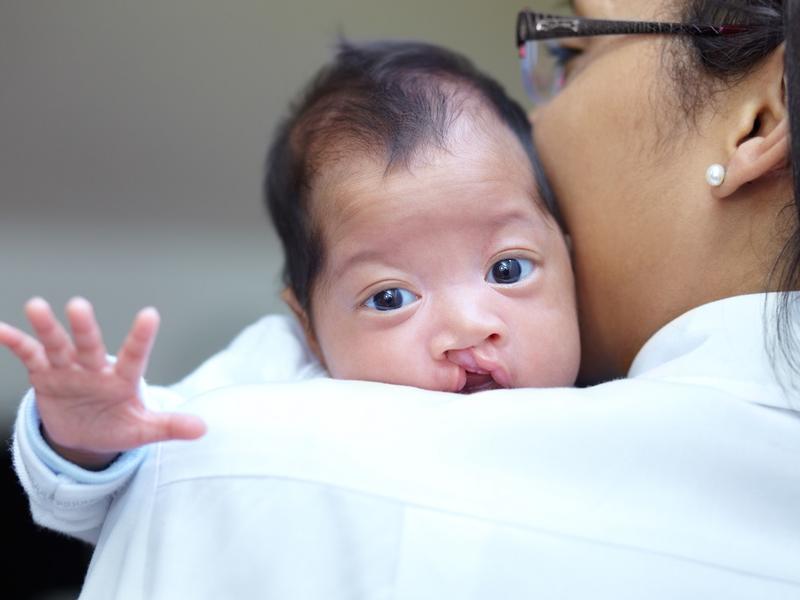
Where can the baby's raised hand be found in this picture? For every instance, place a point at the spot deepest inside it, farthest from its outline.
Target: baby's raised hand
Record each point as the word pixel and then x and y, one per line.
pixel 90 407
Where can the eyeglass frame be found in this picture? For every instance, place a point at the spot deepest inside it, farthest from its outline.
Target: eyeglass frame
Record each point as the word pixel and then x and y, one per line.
pixel 536 27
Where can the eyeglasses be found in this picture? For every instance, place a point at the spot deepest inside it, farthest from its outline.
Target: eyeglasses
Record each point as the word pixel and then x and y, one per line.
pixel 543 60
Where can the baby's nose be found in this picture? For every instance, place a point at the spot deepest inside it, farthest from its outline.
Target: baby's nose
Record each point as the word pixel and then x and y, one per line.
pixel 459 336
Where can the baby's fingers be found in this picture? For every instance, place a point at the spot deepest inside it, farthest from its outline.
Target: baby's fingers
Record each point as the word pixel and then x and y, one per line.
pixel 26 348
pixel 173 426
pixel 57 345
pixel 89 347
pixel 135 351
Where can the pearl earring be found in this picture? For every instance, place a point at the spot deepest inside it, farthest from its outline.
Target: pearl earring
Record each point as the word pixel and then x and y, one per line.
pixel 715 175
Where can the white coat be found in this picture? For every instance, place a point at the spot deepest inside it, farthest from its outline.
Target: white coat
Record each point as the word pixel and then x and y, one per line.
pixel 682 481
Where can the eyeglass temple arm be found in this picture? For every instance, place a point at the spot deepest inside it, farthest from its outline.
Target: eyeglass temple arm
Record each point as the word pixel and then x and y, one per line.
pixel 533 26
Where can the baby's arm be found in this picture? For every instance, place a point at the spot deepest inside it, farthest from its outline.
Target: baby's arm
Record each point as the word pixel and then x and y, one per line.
pixel 83 411
pixel 75 501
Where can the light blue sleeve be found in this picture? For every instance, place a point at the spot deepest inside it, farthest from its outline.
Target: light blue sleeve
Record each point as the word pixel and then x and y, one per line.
pixel 63 496
pixel 120 469
pixel 75 501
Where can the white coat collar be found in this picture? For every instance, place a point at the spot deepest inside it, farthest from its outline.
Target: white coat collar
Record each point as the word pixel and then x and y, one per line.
pixel 726 345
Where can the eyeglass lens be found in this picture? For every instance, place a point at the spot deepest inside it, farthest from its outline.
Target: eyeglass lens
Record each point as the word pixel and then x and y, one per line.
pixel 542 69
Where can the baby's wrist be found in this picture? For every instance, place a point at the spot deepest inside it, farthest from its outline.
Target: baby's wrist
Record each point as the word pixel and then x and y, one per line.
pixel 91 461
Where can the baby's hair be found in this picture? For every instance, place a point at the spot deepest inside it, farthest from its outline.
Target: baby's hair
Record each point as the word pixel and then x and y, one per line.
pixel 388 98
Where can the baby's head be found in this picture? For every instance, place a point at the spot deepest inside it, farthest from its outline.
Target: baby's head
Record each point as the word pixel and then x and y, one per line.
pixel 419 250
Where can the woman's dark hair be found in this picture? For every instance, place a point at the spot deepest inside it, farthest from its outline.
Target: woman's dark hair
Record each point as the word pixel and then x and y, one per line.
pixel 388 99
pixel 728 59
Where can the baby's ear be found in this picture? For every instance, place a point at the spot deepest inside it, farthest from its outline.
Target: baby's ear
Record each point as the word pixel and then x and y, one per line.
pixel 288 296
pixel 568 242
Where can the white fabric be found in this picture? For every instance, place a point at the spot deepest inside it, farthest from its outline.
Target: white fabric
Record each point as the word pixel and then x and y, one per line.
pixel 75 501
pixel 681 482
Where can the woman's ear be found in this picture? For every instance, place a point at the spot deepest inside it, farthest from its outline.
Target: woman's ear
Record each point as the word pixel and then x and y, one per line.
pixel 755 158
pixel 760 144
pixel 288 296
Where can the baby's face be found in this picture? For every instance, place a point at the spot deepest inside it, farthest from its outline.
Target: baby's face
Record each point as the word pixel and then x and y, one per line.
pixel 447 276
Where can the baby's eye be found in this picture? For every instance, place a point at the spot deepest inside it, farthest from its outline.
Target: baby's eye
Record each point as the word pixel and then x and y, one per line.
pixel 391 299
pixel 509 270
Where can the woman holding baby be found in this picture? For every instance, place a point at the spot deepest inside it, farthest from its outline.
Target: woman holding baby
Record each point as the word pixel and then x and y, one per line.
pixel 673 147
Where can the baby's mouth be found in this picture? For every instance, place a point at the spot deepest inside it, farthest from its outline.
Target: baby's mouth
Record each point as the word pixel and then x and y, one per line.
pixel 478 382
pixel 478 371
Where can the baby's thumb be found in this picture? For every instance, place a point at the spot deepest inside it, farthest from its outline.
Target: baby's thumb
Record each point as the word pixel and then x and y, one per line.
pixel 179 426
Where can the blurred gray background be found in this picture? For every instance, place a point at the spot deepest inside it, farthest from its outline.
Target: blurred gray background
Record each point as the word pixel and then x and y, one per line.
pixel 132 137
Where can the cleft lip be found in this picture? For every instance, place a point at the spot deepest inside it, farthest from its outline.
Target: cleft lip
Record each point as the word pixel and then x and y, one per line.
pixel 478 372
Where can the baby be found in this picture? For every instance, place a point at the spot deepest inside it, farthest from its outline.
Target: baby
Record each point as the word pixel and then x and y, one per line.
pixel 419 251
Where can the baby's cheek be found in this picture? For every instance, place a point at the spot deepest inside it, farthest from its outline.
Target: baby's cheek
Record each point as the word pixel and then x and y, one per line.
pixel 566 371
pixel 350 355
pixel 385 364
pixel 553 348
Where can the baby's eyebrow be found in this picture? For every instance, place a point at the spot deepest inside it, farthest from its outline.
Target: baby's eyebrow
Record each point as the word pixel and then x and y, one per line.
pixel 496 222
pixel 513 216
pixel 362 256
